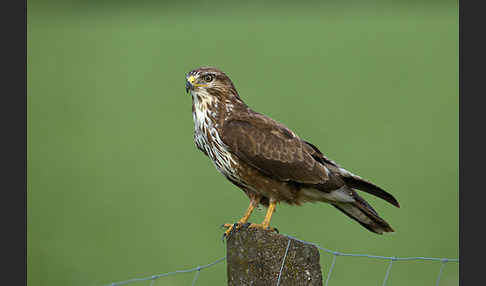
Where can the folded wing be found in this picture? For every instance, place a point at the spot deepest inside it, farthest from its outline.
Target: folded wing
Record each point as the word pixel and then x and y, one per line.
pixel 273 149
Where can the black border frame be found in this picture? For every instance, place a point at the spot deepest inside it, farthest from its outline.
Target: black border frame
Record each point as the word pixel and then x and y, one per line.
pixel 13 210
pixel 471 123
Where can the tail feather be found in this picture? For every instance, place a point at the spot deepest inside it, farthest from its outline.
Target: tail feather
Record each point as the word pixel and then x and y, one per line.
pixel 356 182
pixel 364 214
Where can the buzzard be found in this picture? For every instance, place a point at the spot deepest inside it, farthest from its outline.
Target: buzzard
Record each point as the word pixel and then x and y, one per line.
pixel 267 160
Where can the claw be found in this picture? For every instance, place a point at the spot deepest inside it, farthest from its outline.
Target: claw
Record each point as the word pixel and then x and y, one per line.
pixel 231 228
pixel 261 226
pixel 245 225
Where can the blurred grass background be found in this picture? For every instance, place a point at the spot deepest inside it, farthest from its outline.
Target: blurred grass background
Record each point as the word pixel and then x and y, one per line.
pixel 117 189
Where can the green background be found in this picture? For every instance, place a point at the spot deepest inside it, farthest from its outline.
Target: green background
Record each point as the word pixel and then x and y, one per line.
pixel 118 190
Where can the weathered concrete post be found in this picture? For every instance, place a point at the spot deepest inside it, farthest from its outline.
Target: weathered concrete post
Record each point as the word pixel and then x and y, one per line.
pixel 254 257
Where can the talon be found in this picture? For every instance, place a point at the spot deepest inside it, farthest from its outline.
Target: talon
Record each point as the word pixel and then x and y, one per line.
pixel 245 225
pixel 231 228
pixel 262 226
pixel 226 234
pixel 242 223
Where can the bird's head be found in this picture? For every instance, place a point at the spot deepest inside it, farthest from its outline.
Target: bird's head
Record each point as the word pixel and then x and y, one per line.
pixel 210 82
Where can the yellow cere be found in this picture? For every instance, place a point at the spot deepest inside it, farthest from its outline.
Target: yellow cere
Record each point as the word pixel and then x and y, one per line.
pixel 192 80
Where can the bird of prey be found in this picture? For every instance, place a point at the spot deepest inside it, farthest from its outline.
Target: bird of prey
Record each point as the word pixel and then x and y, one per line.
pixel 267 160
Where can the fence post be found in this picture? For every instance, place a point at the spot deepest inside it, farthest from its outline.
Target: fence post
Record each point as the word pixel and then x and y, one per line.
pixel 257 257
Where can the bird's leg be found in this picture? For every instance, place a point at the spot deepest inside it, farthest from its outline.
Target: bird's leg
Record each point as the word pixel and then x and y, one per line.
pixel 266 222
pixel 254 201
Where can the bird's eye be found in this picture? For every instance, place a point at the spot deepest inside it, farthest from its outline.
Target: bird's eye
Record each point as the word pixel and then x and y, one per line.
pixel 208 78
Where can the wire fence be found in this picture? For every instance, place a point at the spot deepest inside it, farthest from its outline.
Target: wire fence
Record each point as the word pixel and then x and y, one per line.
pixel 334 254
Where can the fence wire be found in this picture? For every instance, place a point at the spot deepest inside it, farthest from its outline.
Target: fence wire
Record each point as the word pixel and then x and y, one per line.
pixel 334 254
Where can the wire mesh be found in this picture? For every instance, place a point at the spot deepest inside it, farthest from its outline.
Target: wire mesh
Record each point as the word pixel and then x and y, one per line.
pixel 334 254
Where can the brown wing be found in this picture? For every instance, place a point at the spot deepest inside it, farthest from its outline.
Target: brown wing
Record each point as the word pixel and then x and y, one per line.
pixel 273 149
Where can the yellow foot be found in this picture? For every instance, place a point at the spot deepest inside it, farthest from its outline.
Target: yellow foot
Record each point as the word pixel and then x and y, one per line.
pixel 262 226
pixel 233 227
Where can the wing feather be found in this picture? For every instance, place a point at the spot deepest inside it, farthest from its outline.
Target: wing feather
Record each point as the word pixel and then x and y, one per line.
pixel 273 149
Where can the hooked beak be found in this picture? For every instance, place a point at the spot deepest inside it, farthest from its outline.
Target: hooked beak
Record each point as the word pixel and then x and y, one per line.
pixel 190 83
